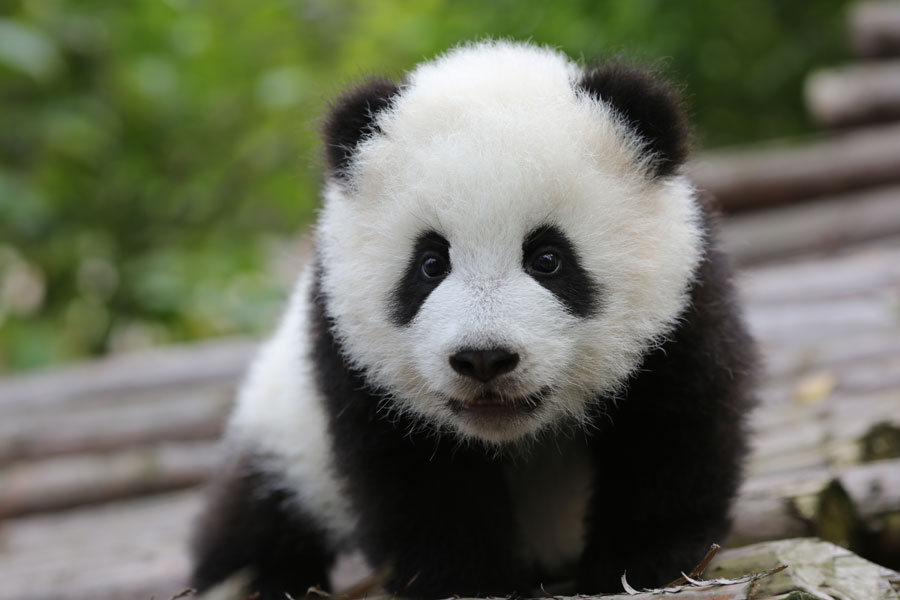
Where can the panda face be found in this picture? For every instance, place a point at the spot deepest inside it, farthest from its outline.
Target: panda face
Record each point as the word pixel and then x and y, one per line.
pixel 497 255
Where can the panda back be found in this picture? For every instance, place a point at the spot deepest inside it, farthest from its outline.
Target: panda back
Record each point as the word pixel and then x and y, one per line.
pixel 280 420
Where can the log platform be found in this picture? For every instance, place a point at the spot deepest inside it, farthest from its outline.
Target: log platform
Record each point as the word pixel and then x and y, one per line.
pixel 102 464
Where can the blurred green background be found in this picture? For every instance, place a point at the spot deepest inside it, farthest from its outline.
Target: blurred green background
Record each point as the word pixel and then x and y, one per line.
pixel 155 155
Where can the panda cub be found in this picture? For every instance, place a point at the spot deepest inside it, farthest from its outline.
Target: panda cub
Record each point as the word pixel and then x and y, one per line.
pixel 516 358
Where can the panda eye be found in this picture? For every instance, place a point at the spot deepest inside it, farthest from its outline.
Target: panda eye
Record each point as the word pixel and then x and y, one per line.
pixel 545 262
pixel 434 266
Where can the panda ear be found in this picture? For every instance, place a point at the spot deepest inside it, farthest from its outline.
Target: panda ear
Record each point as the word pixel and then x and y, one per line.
pixel 352 118
pixel 648 106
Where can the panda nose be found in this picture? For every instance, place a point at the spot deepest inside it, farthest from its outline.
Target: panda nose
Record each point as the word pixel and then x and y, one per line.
pixel 484 365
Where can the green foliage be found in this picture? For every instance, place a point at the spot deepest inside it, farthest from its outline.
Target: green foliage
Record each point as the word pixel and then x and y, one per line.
pixel 150 151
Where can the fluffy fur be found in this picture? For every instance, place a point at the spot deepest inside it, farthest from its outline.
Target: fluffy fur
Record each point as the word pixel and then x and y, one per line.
pixel 517 356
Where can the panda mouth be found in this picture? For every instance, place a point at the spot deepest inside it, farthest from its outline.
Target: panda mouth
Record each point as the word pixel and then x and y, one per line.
pixel 490 403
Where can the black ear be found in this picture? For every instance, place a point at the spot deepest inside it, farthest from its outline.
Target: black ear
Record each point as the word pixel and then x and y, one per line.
pixel 649 106
pixel 352 118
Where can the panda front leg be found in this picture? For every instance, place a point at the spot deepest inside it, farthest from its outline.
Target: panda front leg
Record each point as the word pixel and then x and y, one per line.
pixel 250 524
pixel 662 497
pixel 440 527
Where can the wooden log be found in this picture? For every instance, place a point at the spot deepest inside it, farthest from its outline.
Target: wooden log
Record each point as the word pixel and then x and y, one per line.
pixel 772 292
pixel 859 378
pixel 875 28
pixel 853 272
pixel 126 374
pixel 176 414
pixel 770 175
pixel 130 550
pixel 822 226
pixel 817 321
pixel 852 506
pixel 854 94
pixel 63 482
pixel 844 415
pixel 868 374
pixel 778 505
pixel 764 517
pixel 790 360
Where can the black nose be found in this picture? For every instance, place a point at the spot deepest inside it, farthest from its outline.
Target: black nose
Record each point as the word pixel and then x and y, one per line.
pixel 484 365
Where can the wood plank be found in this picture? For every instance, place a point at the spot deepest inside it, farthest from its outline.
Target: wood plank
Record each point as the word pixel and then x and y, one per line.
pixel 875 28
pixel 850 413
pixel 818 227
pixel 63 482
pixel 854 94
pixel 124 551
pixel 859 378
pixel 785 503
pixel 770 175
pixel 170 367
pixel 178 414
pixel 845 273
pixel 788 360
pixel 835 435
pixel 817 321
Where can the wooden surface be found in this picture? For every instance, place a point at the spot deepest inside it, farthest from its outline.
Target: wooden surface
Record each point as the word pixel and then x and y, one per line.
pixel 102 464
pixel 875 28
pixel 829 326
pixel 822 226
pixel 855 94
pixel 770 175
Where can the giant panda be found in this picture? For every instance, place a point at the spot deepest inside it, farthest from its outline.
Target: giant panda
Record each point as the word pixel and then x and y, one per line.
pixel 516 357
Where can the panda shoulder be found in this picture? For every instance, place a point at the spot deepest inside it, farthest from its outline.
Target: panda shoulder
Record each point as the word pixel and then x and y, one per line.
pixel 278 390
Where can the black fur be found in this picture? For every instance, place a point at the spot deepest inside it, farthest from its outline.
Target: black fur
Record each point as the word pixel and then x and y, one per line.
pixel 571 284
pixel 414 288
pixel 649 107
pixel 352 118
pixel 251 523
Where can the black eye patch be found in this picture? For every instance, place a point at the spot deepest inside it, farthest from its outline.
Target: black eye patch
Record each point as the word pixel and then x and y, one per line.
pixel 550 258
pixel 426 269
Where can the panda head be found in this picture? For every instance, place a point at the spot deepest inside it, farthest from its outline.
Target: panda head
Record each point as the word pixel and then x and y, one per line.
pixel 505 235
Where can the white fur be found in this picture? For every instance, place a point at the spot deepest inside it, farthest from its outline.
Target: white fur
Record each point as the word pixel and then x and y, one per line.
pixel 550 492
pixel 483 145
pixel 280 414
